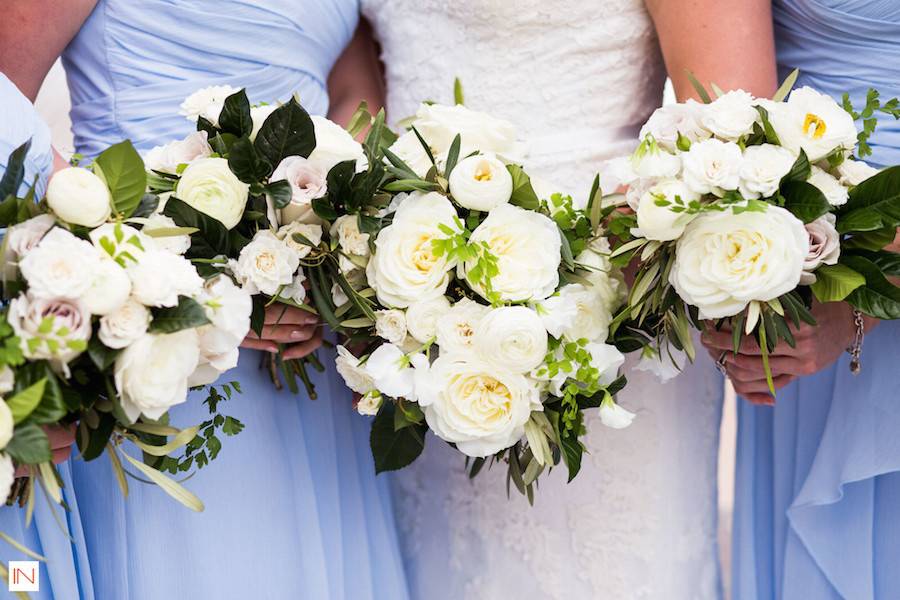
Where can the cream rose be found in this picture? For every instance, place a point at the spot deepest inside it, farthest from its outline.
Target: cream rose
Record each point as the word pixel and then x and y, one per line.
pixel 79 197
pixel 391 325
pixel 480 182
pixel 667 122
pixel 409 149
pixel 439 124
pixel 160 277
pixel 455 330
pixel 266 264
pixel 813 122
pixel 209 186
pixel 60 266
pixel 334 144
pixel 228 307
pixel 349 237
pixel 124 326
pixel 655 218
pixel 23 237
pixel 513 338
pixel 109 289
pixel 167 158
pixel 207 103
pixel 731 115
pixel 712 167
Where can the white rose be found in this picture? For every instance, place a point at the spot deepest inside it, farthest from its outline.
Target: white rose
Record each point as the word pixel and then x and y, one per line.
pixel 228 307
pixel 527 246
pixel 712 166
pixel 7 380
pixel 661 223
pixel 421 317
pixel 160 277
pixel 390 371
pixel 762 168
pixel 109 289
pixel 404 268
pixel 152 373
pixel 409 149
pixel 176 244
pixel 23 237
pixel 355 376
pixel 7 474
pixel 391 325
pixel 731 115
pixel 258 116
pixel 455 329
pixel 122 327
pixel 370 404
pixel 854 172
pixel 650 160
pixel 350 238
pixel 60 266
pixel 308 182
pixel 513 338
pixel 266 264
pixel 835 193
pixel 207 103
pixel 209 186
pixel 439 124
pixel 79 197
pixel 296 291
pixel 480 182
pixel 813 122
pixel 614 416
pixel 167 158
pixel 824 247
pixel 6 424
pixel 121 242
pixel 668 121
pixel 334 145
pixel 66 336
pixel 480 408
pixel 311 231
pixel 724 261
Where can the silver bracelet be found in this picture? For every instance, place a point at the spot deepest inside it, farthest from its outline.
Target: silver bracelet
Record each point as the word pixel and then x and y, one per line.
pixel 855 349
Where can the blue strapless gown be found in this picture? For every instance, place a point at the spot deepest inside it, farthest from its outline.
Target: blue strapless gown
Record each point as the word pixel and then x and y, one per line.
pixel 817 504
pixel 293 507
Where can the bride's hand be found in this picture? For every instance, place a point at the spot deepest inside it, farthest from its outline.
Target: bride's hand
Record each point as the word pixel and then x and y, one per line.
pixel 62 438
pixel 298 329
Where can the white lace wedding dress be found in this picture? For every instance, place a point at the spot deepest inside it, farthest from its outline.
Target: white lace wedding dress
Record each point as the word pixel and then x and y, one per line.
pixel 578 77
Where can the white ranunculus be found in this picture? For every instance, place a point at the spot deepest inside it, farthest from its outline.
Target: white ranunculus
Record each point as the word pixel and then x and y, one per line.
pixel 527 246
pixel 409 149
pixel 109 289
pixel 404 268
pixel 712 166
pixel 296 291
pixel 455 329
pixel 725 260
pixel 258 116
pixel 421 317
pixel 311 231
pixel 391 325
pixel 614 416
pixel 7 380
pixel 209 186
pixel 731 115
pixel 152 373
pixel 334 144
pixel 64 339
pixel 355 376
pixel 124 326
pixel 390 371
pixel 835 193
pixel 176 244
pixel 308 182
pixel 7 474
pixel 665 364
pixel 668 121
pixel 369 404
pixel 167 158
pixel 23 237
pixel 480 408
pixel 60 266
pixel 854 172
pixel 813 122
pixel 762 168
pixel 228 307
pixel 160 277
pixel 824 247
pixel 207 103
pixel 266 264
pixel 6 424
pixel 480 182
pixel 439 124
pixel 661 223
pixel 513 338
pixel 79 197
pixel 350 239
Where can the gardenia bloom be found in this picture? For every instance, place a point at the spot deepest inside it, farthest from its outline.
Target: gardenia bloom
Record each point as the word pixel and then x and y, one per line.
pixel 310 231
pixel 456 328
pixel 661 223
pixel 308 182
pixel 480 182
pixel 334 145
pixel 63 340
pixel 167 158
pixel 350 239
pixel 725 260
pixel 160 277
pixel 266 264
pixel 207 103
pixel 813 122
pixel 512 338
pixel 824 247
pixel 79 197
pixel 854 172
pixel 355 376
pixel 124 326
pixel 668 121
pixel 60 266
pixel 712 166
pixel 209 186
pixel 762 168
pixel 835 193
pixel 391 372
pixel 731 115
pixel 421 317
pixel 527 246
pixel 296 291
pixel 109 289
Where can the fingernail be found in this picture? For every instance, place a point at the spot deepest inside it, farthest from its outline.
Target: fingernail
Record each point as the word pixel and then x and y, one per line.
pixel 297 335
pixel 272 349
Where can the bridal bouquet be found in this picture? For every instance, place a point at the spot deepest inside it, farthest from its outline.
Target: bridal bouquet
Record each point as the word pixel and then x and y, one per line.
pixel 476 301
pixel 105 327
pixel 246 182
pixel 747 209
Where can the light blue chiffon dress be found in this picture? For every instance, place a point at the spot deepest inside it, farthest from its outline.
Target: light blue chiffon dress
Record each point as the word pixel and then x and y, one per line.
pixel 293 507
pixel 817 506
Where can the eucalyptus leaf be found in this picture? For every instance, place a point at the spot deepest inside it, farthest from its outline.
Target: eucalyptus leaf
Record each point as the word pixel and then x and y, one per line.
pixel 171 487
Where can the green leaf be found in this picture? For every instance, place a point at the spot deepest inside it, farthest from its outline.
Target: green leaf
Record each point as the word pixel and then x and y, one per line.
pixel 29 445
pixel 698 87
pixel 523 193
pixel 95 439
pixel 100 355
pixel 22 404
pixel 457 91
pixel 169 486
pixel 888 262
pixel 870 240
pixel 786 86
pixel 394 449
pixel 235 115
pixel 452 155
pixel 800 170
pixel 187 315
pixel 289 131
pixel 873 204
pixel 835 282
pixel 15 171
pixel 768 130
pixel 279 192
pixel 879 298
pixel 211 239
pixel 804 200
pixel 53 405
pixel 246 163
pixel 124 173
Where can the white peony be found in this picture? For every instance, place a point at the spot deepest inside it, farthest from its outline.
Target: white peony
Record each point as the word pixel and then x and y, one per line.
pixel 824 247
pixel 512 338
pixel 480 182
pixel 160 277
pixel 762 168
pixel 124 326
pixel 334 144
pixel 176 244
pixel 835 193
pixel 813 122
pixel 167 158
pixel 854 172
pixel 151 374
pixel 527 246
pixel 355 376
pixel 228 307
pixel 725 260
pixel 60 266
pixel 266 264
pixel 79 197
pixel 655 218
pixel 668 121
pixel 6 424
pixel 109 289
pixel 390 371
pixel 712 166
pixel 312 232
pixel 421 317
pixel 455 329
pixel 308 182
pixel 209 186
pixel 350 239
pixel 731 115
pixel 7 474
pixel 207 103
pixel 391 325
pixel 50 329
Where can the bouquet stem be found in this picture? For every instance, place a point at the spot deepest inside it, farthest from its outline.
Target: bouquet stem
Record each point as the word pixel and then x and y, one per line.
pixel 292 370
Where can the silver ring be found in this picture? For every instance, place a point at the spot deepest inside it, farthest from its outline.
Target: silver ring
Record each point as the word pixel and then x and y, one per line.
pixel 720 364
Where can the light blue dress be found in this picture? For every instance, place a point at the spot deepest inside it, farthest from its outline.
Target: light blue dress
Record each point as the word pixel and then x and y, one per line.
pixel 817 506
pixel 293 507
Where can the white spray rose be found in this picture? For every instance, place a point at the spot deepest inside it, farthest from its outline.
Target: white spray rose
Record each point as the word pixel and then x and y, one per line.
pixel 176 244
pixel 712 166
pixel 266 264
pixel 160 277
pixel 350 238
pixel 835 193
pixel 668 121
pixel 731 115
pixel 355 376
pixel 258 116
pixel 762 168
pixel 614 416
pixel 167 158
pixel 60 266
pixel 655 218
pixel 62 340
pixel 334 144
pixel 480 182
pixel 79 197
pixel 724 261
pixel 308 182
pixel 124 326
pixel 813 122
pixel 513 338
pixel 391 325
pixel 207 102
pixel 390 371
pixel 455 329
pixel 824 247
pixel 109 289
pixel 209 186
pixel 854 172
pixel 7 474
pixel 6 424
pixel 421 317
pixel 310 231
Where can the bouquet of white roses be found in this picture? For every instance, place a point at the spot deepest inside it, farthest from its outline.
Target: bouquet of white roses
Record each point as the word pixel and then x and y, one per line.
pixel 746 209
pixel 477 300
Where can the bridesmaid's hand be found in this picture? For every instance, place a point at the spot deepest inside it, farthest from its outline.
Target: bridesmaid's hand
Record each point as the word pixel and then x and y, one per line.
pixel 62 438
pixel 298 329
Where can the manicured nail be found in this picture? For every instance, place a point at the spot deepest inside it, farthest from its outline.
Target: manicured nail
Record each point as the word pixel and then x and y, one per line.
pixel 297 335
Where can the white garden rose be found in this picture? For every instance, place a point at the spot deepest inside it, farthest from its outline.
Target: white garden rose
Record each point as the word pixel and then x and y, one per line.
pixel 390 371
pixel 369 404
pixel 668 121
pixel 655 218
pixel 7 380
pixel 480 408
pixel 209 186
pixel 731 115
pixel 308 182
pixel 439 124
pixel 79 197
pixel 334 144
pixel 159 223
pixel 762 168
pixel 421 317
pixel 207 102
pixel 455 329
pixel 480 182
pixel 835 193
pixel 124 326
pixel 60 266
pixel 725 260
pixel 712 166
pixel 354 375
pixel 167 158
pixel 404 268
pixel 854 172
pixel 160 277
pixel 813 122
pixel 266 264
pixel 513 338
pixel 258 116
pixel 312 232
pixel 391 325
pixel 63 340
pixel 350 239
pixel 7 474
pixel 824 247
pixel 614 416
pixel 6 424
pixel 228 307
pixel 23 237
pixel 527 246
pixel 109 289
pixel 151 374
